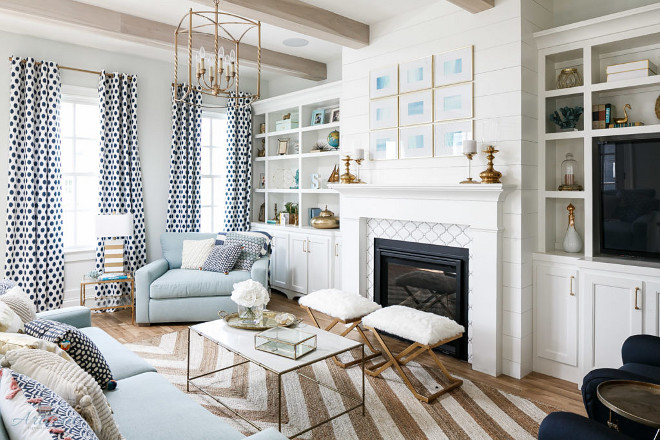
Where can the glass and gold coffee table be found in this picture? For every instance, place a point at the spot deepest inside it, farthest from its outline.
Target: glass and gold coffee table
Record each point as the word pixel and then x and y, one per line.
pixel 241 342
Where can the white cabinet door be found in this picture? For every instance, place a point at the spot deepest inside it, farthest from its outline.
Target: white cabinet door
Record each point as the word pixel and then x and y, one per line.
pixel 613 311
pixel 556 308
pixel 279 261
pixel 318 263
pixel 298 263
pixel 336 266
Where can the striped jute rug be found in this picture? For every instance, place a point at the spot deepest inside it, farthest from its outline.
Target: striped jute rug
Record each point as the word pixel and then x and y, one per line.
pixel 473 411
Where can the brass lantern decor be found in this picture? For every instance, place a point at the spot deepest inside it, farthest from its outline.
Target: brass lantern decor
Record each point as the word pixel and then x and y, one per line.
pixel 215 69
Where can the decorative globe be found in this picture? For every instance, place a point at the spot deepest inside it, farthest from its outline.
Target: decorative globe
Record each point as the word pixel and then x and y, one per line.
pixel 333 139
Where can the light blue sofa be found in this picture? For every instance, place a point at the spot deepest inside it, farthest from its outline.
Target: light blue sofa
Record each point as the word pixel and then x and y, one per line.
pixel 145 404
pixel 166 293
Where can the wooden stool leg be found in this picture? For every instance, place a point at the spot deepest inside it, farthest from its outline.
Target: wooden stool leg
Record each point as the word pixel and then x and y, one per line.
pixel 354 325
pixel 397 362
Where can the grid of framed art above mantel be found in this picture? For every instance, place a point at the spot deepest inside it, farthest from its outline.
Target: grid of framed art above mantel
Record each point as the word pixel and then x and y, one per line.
pixel 422 108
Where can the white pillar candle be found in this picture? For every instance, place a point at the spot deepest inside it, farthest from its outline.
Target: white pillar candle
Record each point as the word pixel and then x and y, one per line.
pixel 358 153
pixel 469 146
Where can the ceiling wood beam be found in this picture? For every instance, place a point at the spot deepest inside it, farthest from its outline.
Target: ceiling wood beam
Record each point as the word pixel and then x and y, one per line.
pixel 154 34
pixel 302 17
pixel 474 6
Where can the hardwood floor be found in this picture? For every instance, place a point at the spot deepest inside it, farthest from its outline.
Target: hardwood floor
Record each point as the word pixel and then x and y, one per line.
pixel 545 389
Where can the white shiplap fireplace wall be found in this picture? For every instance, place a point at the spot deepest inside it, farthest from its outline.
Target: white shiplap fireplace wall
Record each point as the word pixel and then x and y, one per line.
pixel 477 208
pixel 504 114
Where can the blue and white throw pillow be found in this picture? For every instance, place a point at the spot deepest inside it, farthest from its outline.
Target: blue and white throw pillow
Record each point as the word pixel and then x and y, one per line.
pixel 266 250
pixel 251 247
pixel 77 345
pixel 222 258
pixel 6 284
pixel 33 411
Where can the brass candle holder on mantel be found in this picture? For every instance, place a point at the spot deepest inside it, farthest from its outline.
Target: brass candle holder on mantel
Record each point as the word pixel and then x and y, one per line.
pixel 469 179
pixel 357 177
pixel 347 177
pixel 490 175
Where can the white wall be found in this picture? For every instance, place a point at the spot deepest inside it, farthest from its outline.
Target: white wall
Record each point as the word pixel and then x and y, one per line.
pixel 500 118
pixel 572 11
pixel 154 130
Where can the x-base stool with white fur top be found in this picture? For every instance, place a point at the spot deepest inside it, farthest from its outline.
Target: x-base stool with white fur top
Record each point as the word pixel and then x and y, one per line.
pixel 345 308
pixel 426 330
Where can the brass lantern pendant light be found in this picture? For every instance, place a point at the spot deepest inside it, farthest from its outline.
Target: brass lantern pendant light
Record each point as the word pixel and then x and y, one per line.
pixel 216 73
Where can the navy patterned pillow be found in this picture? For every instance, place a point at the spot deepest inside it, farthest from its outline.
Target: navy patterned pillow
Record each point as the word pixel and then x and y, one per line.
pixel 31 410
pixel 222 258
pixel 81 349
pixel 265 250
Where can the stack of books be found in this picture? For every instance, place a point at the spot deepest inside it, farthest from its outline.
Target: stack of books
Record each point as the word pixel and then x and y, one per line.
pixel 113 276
pixel 602 115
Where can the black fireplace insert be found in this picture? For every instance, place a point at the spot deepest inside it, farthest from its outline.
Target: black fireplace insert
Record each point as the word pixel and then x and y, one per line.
pixel 427 277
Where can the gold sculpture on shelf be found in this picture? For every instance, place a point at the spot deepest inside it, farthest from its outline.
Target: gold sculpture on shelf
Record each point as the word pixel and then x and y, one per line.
pixel 325 220
pixel 347 177
pixel 490 175
pixel 334 176
pixel 625 118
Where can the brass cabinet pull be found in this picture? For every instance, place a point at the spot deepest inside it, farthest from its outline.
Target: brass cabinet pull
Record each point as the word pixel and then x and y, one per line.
pixel 309 247
pixel 336 249
pixel 637 289
pixel 571 290
pixel 304 246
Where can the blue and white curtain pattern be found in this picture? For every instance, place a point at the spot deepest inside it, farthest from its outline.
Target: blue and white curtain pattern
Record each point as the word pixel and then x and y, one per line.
pixel 35 240
pixel 239 165
pixel 120 186
pixel 184 198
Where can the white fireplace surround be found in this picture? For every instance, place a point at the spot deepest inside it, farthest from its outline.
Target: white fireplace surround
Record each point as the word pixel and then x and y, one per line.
pixel 479 207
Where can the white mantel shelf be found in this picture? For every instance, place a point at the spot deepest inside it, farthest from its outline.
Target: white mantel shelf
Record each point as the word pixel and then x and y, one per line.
pixel 474 192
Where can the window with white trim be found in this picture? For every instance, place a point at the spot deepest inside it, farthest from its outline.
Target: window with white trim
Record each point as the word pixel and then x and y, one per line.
pixel 214 171
pixel 81 140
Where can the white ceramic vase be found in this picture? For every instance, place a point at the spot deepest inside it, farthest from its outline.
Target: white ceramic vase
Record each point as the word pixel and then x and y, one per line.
pixel 572 240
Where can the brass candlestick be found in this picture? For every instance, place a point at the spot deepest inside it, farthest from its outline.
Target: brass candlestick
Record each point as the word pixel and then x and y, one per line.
pixel 347 177
pixel 469 179
pixel 357 178
pixel 490 175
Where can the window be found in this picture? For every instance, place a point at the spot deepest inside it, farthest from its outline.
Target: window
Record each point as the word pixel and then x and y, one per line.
pixel 81 139
pixel 214 163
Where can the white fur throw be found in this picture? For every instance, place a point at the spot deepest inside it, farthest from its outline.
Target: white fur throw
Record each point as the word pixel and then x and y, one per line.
pixel 71 383
pixel 414 325
pixel 339 304
pixel 16 341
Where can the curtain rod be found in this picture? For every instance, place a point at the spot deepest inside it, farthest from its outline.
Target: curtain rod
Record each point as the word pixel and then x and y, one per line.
pixel 75 69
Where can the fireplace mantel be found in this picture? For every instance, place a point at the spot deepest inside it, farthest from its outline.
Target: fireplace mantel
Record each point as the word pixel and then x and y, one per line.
pixel 478 206
pixel 479 192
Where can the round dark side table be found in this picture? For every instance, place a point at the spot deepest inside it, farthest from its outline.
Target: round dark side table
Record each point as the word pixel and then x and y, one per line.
pixel 636 401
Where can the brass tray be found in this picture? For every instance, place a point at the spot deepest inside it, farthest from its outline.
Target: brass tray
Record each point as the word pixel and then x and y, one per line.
pixel 637 401
pixel 269 320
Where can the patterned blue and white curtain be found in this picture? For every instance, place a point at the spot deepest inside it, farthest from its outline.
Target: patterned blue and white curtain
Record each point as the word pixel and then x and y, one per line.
pixel 184 198
pixel 120 176
pixel 35 241
pixel 239 165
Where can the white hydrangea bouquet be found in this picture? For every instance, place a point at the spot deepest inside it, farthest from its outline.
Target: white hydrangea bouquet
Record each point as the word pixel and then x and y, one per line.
pixel 251 297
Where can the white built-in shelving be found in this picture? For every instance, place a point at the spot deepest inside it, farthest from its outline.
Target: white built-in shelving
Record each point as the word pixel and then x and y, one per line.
pixel 279 170
pixel 590 46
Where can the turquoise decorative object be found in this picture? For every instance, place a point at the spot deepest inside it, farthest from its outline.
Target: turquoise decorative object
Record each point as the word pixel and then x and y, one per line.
pixel 571 117
pixel 333 139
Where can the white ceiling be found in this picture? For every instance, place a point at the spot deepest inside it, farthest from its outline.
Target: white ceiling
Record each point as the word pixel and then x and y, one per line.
pixel 171 12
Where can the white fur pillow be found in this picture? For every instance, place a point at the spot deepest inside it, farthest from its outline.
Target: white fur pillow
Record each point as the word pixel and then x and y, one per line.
pixel 16 341
pixel 71 383
pixel 195 253
pixel 20 303
pixel 339 304
pixel 412 324
pixel 10 322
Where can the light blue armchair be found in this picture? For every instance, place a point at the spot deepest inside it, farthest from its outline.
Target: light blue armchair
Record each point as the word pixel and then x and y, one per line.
pixel 166 293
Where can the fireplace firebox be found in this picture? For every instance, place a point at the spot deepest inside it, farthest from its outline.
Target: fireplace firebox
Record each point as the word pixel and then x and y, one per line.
pixel 426 277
